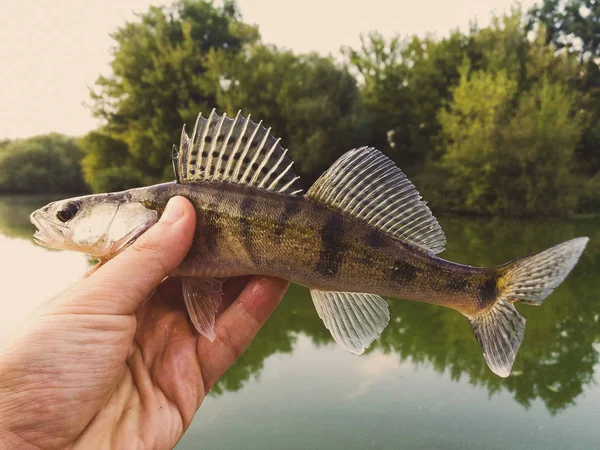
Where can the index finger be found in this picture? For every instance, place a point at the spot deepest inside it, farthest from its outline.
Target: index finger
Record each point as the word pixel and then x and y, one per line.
pixel 238 325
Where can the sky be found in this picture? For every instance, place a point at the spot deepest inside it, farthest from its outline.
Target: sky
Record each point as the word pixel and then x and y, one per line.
pixel 52 51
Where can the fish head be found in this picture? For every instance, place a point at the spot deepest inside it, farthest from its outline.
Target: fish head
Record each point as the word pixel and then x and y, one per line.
pixel 100 225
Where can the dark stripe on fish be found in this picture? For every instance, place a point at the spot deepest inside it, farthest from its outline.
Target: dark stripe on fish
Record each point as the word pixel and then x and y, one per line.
pixel 212 228
pixel 456 284
pixel 375 238
pixel 211 231
pixel 247 211
pixel 403 271
pixel 488 290
pixel 333 247
pixel 291 210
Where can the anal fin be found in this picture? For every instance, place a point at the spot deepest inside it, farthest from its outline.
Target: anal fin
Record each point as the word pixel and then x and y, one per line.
pixel 202 298
pixel 354 319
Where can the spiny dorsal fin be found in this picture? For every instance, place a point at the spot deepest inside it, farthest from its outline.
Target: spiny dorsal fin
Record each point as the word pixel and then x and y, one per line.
pixel 236 151
pixel 366 184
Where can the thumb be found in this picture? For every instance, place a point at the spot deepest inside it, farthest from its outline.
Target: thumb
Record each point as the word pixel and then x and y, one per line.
pixel 122 284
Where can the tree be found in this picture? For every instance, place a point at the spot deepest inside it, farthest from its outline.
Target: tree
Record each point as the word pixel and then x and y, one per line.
pixel 574 26
pixel 472 151
pixel 158 77
pixel 571 24
pixel 510 160
pixel 106 164
pixel 46 163
pixel 309 101
pixel 403 84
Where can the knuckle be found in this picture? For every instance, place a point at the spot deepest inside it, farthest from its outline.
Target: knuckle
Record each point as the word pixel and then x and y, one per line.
pixel 151 252
pixel 146 244
pixel 230 343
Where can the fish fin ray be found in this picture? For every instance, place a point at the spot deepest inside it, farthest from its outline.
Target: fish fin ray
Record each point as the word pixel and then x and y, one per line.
pixel 202 297
pixel 532 278
pixel 355 320
pixel 499 332
pixel 367 184
pixel 234 150
pixel 500 329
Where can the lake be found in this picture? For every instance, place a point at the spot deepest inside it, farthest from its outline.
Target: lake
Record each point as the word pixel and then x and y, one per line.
pixel 422 384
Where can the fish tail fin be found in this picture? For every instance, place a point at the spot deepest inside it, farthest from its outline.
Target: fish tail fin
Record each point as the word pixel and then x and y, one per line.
pixel 500 328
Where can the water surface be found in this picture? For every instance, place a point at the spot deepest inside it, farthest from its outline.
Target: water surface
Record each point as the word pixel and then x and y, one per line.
pixel 422 384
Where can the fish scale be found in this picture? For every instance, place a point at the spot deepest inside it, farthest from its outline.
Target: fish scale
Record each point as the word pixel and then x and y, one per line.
pixel 362 231
pixel 331 250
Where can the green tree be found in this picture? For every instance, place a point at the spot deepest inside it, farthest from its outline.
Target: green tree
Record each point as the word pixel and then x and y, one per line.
pixel 403 84
pixel 158 77
pixel 574 25
pixel 571 24
pixel 46 163
pixel 472 150
pixel 105 165
pixel 309 101
pixel 502 158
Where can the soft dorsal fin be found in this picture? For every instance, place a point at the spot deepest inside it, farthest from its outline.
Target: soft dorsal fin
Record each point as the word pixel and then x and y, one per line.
pixel 234 150
pixel 367 184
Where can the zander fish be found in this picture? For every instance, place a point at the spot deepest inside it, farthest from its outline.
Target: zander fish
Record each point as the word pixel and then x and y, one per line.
pixel 360 232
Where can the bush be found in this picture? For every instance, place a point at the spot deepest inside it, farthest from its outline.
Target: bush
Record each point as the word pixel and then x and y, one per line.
pixel 48 163
pixel 116 179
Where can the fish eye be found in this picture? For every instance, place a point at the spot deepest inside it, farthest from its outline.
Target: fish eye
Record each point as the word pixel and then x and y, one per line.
pixel 68 211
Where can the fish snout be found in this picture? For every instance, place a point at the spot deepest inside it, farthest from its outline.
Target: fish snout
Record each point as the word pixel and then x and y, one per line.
pixel 46 233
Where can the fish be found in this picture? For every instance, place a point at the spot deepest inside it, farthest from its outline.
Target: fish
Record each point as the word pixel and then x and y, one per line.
pixel 360 233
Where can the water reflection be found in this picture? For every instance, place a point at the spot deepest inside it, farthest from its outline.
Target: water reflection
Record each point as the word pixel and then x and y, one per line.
pixel 557 357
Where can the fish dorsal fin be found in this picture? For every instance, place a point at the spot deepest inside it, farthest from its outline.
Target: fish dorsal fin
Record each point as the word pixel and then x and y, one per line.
pixel 234 150
pixel 367 184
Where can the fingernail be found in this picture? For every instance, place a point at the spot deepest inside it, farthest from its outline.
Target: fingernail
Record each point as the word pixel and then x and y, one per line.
pixel 173 212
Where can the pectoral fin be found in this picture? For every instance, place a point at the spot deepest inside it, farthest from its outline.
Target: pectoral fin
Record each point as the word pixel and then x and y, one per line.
pixel 202 298
pixel 354 319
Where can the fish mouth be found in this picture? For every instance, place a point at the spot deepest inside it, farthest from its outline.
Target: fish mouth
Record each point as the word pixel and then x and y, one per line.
pixel 45 232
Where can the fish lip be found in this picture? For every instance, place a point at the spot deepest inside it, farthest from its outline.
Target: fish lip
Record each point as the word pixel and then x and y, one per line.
pixel 45 230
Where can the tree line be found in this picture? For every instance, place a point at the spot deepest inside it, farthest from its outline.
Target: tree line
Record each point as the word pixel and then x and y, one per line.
pixel 503 119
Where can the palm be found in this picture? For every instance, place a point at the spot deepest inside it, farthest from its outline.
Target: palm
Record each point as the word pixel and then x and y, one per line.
pixel 124 381
pixel 170 368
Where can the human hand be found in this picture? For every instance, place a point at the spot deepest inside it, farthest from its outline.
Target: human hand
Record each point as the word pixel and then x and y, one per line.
pixel 96 367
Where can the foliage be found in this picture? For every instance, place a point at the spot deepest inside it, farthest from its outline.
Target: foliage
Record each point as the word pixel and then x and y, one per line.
pixel 311 103
pixel 510 157
pixel 510 133
pixel 46 163
pixel 574 26
pixel 158 77
pixel 503 119
pixel 571 24
pixel 404 83
pixel 105 163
